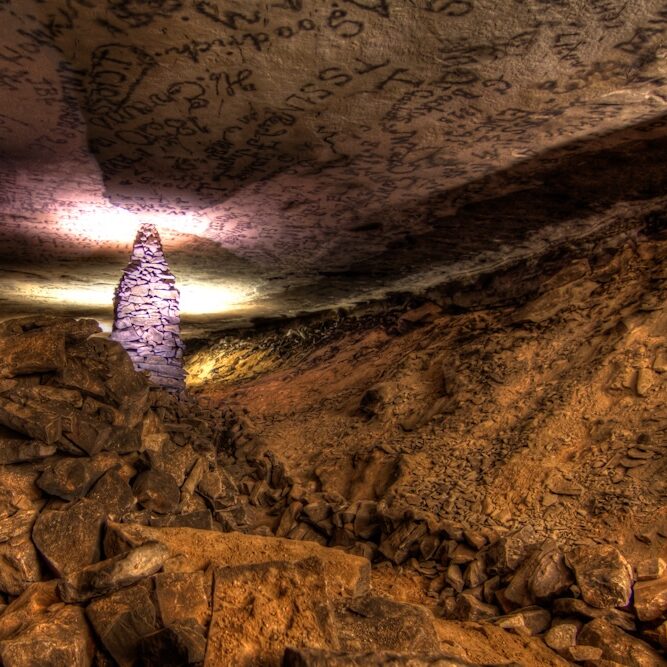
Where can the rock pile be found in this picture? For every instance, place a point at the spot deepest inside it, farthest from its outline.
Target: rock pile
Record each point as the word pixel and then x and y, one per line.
pixel 587 602
pixel 138 527
pixel 147 316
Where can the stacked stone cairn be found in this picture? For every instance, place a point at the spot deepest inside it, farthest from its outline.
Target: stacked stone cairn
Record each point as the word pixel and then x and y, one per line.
pixel 142 527
pixel 147 316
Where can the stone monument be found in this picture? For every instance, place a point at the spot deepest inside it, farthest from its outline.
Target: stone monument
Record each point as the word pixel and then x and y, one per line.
pixel 147 315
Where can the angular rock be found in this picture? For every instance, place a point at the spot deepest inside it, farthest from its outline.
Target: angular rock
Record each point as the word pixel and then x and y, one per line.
pixel 76 375
pixel 272 606
pixel 469 608
pixel 34 352
pixel 218 488
pixel 372 623
pixel 602 574
pixel 33 602
pixel 651 568
pixel 71 478
pixel 19 565
pixel 528 621
pixel 650 599
pixel 200 519
pixel 454 577
pixel 157 491
pixel 183 597
pixel 505 555
pixel 35 422
pixel 397 546
pixel 308 657
pixel 475 574
pixel 562 487
pixel 288 521
pixel 542 576
pixel 618 646
pixel 174 460
pixel 366 520
pixel 15 448
pixel 582 653
pixel 113 494
pixel 345 575
pixel 561 636
pixel 90 435
pixel 662 635
pixel 56 532
pixel 117 572
pixel 577 607
pixel 59 637
pixel 121 620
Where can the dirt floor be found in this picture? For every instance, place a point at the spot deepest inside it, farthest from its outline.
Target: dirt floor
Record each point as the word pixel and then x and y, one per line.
pixel 547 409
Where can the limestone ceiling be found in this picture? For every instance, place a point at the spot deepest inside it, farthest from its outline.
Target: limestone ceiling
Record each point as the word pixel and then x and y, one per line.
pixel 298 154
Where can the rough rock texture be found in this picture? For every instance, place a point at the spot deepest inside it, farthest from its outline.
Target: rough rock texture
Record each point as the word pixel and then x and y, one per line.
pixel 245 566
pixel 301 153
pixel 469 411
pixel 147 315
pixel 196 549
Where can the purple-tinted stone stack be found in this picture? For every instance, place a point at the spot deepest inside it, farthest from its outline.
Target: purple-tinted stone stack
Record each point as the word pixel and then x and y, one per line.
pixel 147 315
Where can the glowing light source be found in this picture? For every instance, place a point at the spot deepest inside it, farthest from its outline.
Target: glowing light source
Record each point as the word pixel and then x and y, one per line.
pixel 111 224
pixel 99 296
pixel 204 299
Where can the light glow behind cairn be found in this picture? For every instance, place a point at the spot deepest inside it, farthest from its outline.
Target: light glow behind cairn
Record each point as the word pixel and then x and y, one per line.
pixel 204 299
pixel 113 224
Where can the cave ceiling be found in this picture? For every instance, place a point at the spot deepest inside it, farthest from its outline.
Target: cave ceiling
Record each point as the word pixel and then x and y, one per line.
pixel 306 154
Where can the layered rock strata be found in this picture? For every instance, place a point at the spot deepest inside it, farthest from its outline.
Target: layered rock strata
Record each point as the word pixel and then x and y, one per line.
pixel 147 315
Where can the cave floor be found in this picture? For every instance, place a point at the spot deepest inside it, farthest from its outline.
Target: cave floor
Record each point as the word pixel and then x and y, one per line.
pixel 548 411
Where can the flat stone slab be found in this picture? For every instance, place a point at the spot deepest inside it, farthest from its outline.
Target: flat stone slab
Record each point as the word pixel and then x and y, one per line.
pixel 345 575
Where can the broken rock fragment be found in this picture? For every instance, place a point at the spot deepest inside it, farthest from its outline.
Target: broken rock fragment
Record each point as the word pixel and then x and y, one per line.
pixel 650 599
pixel 71 478
pixel 58 637
pixel 35 422
pixel 542 576
pixel 113 573
pixel 157 491
pixel 121 620
pixel 505 555
pixel 70 538
pixel 370 622
pixel 34 352
pixel 16 448
pixel 619 646
pixel 602 574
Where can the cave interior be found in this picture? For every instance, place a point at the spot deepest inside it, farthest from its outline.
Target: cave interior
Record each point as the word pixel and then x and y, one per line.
pixel 333 333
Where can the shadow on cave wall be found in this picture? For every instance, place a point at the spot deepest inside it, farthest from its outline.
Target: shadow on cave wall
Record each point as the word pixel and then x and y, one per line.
pixel 560 186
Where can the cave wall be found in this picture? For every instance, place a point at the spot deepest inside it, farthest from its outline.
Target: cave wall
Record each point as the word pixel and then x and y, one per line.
pixel 309 153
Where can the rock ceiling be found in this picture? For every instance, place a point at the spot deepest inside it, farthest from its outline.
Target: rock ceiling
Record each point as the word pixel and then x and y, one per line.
pixel 300 154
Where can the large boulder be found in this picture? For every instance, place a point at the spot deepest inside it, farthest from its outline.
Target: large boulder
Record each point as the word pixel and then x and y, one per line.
pixel 346 575
pixel 259 610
